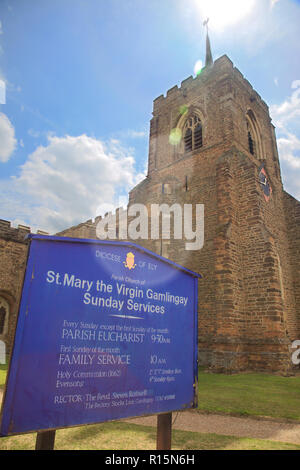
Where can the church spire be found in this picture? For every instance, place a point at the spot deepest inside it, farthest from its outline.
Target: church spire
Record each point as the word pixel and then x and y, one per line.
pixel 208 56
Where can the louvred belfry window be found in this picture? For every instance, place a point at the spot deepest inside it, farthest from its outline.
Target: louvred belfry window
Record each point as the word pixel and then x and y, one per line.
pixel 192 134
pixel 188 140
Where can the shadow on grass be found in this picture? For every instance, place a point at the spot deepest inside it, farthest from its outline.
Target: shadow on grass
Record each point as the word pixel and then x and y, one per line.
pixel 125 436
pixel 107 436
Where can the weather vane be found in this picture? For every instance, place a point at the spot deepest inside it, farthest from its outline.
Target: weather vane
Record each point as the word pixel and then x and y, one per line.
pixel 205 23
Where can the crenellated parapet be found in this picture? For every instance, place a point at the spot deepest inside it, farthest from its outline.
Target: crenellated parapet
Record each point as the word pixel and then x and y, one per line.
pixel 88 229
pixel 16 234
pixel 222 64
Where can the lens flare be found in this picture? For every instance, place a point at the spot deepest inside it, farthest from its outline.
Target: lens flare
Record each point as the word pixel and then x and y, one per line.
pixel 198 67
pixel 223 14
pixel 183 109
pixel 175 136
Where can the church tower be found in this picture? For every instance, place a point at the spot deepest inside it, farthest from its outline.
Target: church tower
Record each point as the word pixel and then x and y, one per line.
pixel 212 142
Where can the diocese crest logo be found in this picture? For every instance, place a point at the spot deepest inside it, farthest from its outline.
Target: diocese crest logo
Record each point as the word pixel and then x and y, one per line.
pixel 129 263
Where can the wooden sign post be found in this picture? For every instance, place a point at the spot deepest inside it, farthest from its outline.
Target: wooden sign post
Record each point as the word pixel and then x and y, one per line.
pixel 164 431
pixel 45 440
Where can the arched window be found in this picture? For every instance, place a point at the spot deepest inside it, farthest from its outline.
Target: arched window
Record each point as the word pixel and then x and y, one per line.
pixel 4 309
pixel 251 141
pixel 192 133
pixel 253 135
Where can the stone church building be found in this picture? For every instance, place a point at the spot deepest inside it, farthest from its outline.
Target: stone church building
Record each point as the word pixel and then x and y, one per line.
pixel 212 142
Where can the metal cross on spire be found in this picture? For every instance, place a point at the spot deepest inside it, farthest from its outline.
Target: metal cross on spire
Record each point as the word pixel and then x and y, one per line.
pixel 205 23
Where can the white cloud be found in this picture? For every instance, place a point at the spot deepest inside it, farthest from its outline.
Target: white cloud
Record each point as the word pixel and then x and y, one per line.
pixel 288 147
pixel 33 133
pixel 7 138
pixel 65 182
pixel 286 117
pixel 295 84
pixel 131 134
pixel 1 30
pixel 289 109
pixel 137 134
pixel 2 92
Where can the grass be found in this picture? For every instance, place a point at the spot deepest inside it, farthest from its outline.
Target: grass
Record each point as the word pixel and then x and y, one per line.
pixel 124 436
pixel 242 394
pixel 250 394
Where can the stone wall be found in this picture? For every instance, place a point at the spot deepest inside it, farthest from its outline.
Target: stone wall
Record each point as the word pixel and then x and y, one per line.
pixel 13 256
pixel 292 214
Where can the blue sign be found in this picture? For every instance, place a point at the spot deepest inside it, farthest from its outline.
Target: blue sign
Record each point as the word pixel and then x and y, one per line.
pixel 106 330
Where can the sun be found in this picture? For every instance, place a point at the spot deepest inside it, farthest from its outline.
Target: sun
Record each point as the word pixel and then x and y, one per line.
pixel 223 13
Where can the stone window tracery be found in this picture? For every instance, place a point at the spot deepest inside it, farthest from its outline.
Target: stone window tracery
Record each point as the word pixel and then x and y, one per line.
pixel 192 133
pixel 253 135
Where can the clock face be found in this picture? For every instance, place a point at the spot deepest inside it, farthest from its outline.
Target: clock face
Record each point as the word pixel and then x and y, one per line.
pixel 265 184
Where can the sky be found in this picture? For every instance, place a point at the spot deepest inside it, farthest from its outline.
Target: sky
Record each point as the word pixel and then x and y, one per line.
pixel 77 84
